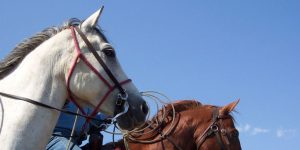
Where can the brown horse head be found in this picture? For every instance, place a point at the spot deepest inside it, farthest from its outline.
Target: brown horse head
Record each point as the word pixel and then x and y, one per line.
pixel 218 132
pixel 195 126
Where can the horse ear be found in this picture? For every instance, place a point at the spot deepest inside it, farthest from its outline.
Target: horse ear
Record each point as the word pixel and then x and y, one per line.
pixel 225 110
pixel 92 20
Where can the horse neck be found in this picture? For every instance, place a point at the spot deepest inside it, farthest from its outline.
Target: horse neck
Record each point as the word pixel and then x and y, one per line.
pixel 185 124
pixel 178 133
pixel 40 76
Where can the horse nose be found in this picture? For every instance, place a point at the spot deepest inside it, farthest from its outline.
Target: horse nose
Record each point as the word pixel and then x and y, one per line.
pixel 145 108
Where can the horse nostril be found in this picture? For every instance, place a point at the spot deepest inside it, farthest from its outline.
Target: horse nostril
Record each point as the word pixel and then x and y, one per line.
pixel 145 108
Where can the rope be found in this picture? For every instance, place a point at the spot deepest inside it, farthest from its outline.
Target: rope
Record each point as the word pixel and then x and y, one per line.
pixel 163 134
pixel 113 136
pixel 73 130
pixel 134 130
pixel 131 135
pixel 126 143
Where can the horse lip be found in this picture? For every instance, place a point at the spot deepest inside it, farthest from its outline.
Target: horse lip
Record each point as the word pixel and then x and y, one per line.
pixel 133 123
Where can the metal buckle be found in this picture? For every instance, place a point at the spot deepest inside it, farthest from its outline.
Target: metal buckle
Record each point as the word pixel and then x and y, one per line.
pixel 126 107
pixel 119 102
pixel 121 98
pixel 214 128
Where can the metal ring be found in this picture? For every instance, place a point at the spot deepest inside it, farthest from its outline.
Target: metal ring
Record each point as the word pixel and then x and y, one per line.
pixel 214 128
pixel 123 96
pixel 126 107
pixel 223 131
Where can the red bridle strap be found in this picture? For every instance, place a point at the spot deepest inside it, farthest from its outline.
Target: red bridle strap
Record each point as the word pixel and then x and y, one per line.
pixel 80 56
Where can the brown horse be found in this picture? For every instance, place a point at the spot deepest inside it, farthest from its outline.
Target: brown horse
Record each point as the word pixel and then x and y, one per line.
pixel 194 126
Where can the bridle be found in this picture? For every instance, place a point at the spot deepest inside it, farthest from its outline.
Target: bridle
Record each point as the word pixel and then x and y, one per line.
pixel 121 105
pixel 216 128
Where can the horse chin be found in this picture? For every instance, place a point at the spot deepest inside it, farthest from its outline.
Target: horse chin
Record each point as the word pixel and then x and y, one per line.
pixel 127 122
pixel 127 125
pixel 133 118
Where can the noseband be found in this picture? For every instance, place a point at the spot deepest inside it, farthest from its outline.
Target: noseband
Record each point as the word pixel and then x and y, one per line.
pixel 216 128
pixel 121 105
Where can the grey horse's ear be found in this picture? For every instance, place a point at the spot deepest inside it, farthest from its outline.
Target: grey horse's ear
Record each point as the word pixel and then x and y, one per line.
pixel 92 20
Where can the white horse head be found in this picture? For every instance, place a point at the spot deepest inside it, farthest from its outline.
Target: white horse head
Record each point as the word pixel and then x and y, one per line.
pixel 45 68
pixel 87 86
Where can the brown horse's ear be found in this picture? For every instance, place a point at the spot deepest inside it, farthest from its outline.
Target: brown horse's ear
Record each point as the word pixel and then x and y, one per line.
pixel 228 108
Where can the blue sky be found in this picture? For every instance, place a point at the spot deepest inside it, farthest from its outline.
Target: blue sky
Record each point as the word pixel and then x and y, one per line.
pixel 214 51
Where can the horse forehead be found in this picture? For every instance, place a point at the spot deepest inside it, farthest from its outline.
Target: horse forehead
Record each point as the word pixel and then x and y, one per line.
pixel 228 123
pixel 98 32
pixel 96 40
pixel 95 37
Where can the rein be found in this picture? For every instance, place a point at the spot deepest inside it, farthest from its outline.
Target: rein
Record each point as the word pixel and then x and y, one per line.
pixel 108 121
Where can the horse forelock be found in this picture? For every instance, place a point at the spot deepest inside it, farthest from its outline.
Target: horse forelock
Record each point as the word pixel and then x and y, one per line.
pixel 207 112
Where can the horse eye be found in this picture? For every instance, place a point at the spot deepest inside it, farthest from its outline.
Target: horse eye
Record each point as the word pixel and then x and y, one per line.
pixel 109 52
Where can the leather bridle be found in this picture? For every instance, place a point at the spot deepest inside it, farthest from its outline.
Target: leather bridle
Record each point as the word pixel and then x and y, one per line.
pixel 121 105
pixel 216 128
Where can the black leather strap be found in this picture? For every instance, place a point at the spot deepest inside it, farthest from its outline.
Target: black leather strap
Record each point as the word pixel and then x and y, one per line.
pixel 50 107
pixel 99 59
